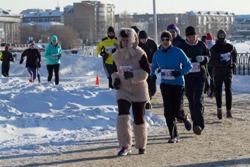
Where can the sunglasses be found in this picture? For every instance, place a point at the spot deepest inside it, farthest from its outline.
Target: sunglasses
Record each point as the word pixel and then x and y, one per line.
pixel 165 39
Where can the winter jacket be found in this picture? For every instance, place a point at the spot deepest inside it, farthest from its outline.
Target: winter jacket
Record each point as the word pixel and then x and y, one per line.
pixel 132 59
pixel 192 51
pixel 149 47
pixel 107 46
pixel 6 58
pixel 33 57
pixel 223 56
pixel 177 41
pixel 53 54
pixel 174 59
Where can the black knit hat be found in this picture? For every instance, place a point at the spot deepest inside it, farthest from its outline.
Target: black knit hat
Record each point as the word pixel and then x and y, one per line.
pixel 143 34
pixel 190 31
pixel 221 32
pixel 166 34
pixel 111 29
pixel 136 29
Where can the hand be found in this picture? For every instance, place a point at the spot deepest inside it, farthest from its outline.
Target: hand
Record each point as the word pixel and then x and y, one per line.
pixel 117 83
pixel 176 73
pixel 233 65
pixel 104 56
pixel 153 78
pixel 38 64
pixel 128 75
pixel 200 58
pixel 158 70
pixel 21 61
pixel 113 50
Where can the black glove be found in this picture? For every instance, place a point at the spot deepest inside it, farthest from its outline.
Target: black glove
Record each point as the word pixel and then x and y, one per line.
pixel 128 75
pixel 104 56
pixel 233 65
pixel 21 61
pixel 176 73
pixel 113 50
pixel 153 78
pixel 117 83
pixel 159 70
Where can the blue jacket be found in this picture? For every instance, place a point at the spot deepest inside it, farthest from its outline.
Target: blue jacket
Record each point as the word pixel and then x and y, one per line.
pixel 53 54
pixel 172 59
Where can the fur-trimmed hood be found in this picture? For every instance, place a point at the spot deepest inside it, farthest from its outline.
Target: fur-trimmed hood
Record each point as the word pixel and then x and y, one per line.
pixel 132 36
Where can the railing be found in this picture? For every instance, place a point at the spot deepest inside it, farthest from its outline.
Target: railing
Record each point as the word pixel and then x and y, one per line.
pixel 243 64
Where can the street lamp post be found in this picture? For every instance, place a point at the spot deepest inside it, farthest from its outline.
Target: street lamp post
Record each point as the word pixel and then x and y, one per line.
pixel 155 23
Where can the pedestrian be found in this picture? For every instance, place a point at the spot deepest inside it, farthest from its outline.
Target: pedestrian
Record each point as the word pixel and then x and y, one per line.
pixel 6 58
pixel 53 55
pixel 175 31
pixel 33 60
pixel 174 64
pixel 131 70
pixel 149 46
pixel 195 80
pixel 105 48
pixel 137 30
pixel 223 60
pixel 210 42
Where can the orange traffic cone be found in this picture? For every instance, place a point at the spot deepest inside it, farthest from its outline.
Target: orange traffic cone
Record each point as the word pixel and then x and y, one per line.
pixel 97 80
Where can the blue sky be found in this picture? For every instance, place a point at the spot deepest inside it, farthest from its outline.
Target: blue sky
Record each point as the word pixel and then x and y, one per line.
pixel 141 6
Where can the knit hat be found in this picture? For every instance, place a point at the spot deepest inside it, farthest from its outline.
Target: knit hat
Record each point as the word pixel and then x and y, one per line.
pixel 135 28
pixel 143 34
pixel 111 29
pixel 209 36
pixel 221 32
pixel 166 34
pixel 7 47
pixel 31 43
pixel 173 27
pixel 53 38
pixel 190 31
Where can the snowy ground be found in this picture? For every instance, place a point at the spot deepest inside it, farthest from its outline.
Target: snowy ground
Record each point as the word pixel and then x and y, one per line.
pixel 43 118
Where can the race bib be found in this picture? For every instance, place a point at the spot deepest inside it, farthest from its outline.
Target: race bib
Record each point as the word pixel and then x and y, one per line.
pixel 167 74
pixel 196 67
pixel 225 57
pixel 55 56
pixel 123 69
pixel 109 49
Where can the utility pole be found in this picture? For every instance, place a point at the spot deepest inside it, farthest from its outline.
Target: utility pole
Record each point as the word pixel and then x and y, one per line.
pixel 155 23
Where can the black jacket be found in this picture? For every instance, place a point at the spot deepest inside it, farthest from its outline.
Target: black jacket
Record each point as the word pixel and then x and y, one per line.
pixel 223 56
pixel 33 58
pixel 149 47
pixel 6 58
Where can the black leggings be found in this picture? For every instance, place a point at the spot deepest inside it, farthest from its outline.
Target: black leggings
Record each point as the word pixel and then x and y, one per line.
pixel 138 109
pixel 54 68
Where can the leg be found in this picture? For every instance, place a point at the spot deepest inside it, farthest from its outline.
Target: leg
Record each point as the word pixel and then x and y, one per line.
pixel 109 71
pixel 218 81
pixel 50 72
pixel 123 127
pixel 56 70
pixel 168 101
pixel 228 90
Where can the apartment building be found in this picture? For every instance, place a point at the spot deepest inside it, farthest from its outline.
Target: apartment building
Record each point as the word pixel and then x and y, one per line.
pixel 91 19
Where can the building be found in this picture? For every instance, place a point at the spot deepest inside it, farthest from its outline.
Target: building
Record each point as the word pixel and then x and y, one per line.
pixel 241 28
pixel 91 19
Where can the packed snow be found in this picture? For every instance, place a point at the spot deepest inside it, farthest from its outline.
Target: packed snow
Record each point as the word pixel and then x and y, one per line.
pixel 43 118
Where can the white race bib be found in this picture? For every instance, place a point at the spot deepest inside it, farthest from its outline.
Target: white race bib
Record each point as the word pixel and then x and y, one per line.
pixel 167 74
pixel 225 57
pixel 196 67
pixel 123 69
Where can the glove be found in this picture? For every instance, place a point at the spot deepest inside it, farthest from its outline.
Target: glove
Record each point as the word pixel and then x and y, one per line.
pixel 153 78
pixel 104 56
pixel 117 83
pixel 38 64
pixel 113 50
pixel 159 70
pixel 128 75
pixel 233 65
pixel 200 58
pixel 176 73
pixel 21 61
